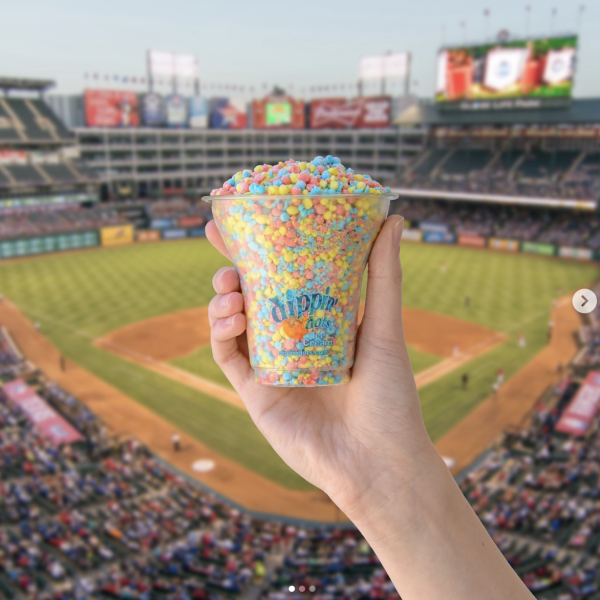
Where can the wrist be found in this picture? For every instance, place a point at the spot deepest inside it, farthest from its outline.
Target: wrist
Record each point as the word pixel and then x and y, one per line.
pixel 390 484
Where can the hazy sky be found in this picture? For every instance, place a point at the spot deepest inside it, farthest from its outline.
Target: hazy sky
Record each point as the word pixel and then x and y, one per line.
pixel 256 41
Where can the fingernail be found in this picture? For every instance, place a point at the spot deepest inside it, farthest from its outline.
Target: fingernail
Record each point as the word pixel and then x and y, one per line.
pixel 231 320
pixel 220 274
pixel 225 301
pixel 397 234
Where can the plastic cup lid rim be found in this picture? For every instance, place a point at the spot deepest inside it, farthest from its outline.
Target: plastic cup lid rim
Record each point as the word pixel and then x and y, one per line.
pixel 209 199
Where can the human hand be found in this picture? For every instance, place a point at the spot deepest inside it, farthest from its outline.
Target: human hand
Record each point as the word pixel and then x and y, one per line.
pixel 339 438
pixel 364 443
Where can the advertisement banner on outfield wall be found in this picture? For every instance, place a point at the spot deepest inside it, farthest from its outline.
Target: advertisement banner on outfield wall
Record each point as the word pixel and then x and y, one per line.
pixel 48 243
pixel 580 412
pixel 191 221
pixel 432 226
pixel 173 234
pixel 475 241
pixel 148 236
pixel 49 423
pixel 578 253
pixel 197 232
pixel 161 223
pixel 536 248
pixel 501 244
pixel 412 235
pixel 438 237
pixel 116 236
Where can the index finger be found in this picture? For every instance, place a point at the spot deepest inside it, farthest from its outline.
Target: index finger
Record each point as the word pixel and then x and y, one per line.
pixel 214 237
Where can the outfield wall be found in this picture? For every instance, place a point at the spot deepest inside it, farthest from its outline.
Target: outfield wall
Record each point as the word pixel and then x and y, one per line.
pixel 428 236
pixel 118 235
pixel 174 229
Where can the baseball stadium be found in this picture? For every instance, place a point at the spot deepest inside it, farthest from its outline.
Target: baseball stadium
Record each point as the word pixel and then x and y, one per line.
pixel 130 467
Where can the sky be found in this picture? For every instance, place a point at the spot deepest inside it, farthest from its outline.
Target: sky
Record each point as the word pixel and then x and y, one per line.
pixel 252 43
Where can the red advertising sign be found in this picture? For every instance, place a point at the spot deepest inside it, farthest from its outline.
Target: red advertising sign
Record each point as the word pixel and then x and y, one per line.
pixel 191 221
pixel 106 108
pixel 577 417
pixel 475 241
pixel 360 113
pixel 278 112
pixel 50 424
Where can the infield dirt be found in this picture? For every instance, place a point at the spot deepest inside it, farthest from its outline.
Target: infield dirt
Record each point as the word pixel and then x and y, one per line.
pixel 153 342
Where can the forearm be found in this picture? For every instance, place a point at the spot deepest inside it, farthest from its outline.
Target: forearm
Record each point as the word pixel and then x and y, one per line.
pixel 428 538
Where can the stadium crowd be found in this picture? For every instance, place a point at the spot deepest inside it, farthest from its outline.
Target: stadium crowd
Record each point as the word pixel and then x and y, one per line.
pixel 496 182
pixel 529 173
pixel 104 518
pixel 567 228
pixel 61 219
pixel 538 490
pixel 178 208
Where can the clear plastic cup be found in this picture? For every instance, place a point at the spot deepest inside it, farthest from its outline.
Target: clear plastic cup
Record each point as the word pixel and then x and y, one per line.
pixel 301 260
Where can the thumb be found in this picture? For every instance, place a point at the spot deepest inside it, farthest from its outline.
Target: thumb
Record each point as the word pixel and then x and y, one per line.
pixel 383 307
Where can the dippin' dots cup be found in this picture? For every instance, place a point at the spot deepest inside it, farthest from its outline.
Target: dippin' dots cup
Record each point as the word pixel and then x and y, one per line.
pixel 301 261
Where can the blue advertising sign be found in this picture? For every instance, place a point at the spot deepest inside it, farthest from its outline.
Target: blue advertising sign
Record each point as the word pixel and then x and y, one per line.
pixel 431 226
pixel 161 223
pixel 228 113
pixel 438 237
pixel 198 112
pixel 176 111
pixel 174 234
pixel 197 232
pixel 153 110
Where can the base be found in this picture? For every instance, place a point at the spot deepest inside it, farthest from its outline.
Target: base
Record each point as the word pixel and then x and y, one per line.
pixel 301 377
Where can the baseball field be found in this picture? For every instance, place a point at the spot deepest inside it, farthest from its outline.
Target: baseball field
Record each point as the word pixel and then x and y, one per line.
pixel 80 298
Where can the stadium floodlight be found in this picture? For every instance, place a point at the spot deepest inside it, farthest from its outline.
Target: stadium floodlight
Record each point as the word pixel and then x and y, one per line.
pixel 396 65
pixel 161 63
pixel 167 64
pixel 186 66
pixel 387 66
pixel 371 67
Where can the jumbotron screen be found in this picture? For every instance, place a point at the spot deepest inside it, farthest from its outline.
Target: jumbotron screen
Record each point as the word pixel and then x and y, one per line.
pixel 532 73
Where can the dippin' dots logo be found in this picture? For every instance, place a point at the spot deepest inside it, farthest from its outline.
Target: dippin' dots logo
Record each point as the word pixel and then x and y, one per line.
pixel 301 305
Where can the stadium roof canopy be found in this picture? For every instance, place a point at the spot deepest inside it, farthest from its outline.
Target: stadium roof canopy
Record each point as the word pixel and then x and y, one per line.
pixel 18 83
pixel 583 111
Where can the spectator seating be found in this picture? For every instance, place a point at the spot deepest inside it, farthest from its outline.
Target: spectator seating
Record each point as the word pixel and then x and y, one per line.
pixel 562 227
pixel 104 518
pixel 27 222
pixel 533 173
pixel 60 172
pixel 4 180
pixel 464 161
pixel 25 174
pixel 47 113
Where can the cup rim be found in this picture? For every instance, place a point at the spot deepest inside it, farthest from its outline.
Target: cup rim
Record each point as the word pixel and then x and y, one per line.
pixel 387 196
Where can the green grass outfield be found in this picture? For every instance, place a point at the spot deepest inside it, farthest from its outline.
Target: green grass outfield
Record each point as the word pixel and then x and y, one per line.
pixel 78 297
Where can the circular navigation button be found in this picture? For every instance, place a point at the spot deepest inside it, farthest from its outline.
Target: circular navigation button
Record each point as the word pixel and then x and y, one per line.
pixel 584 301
